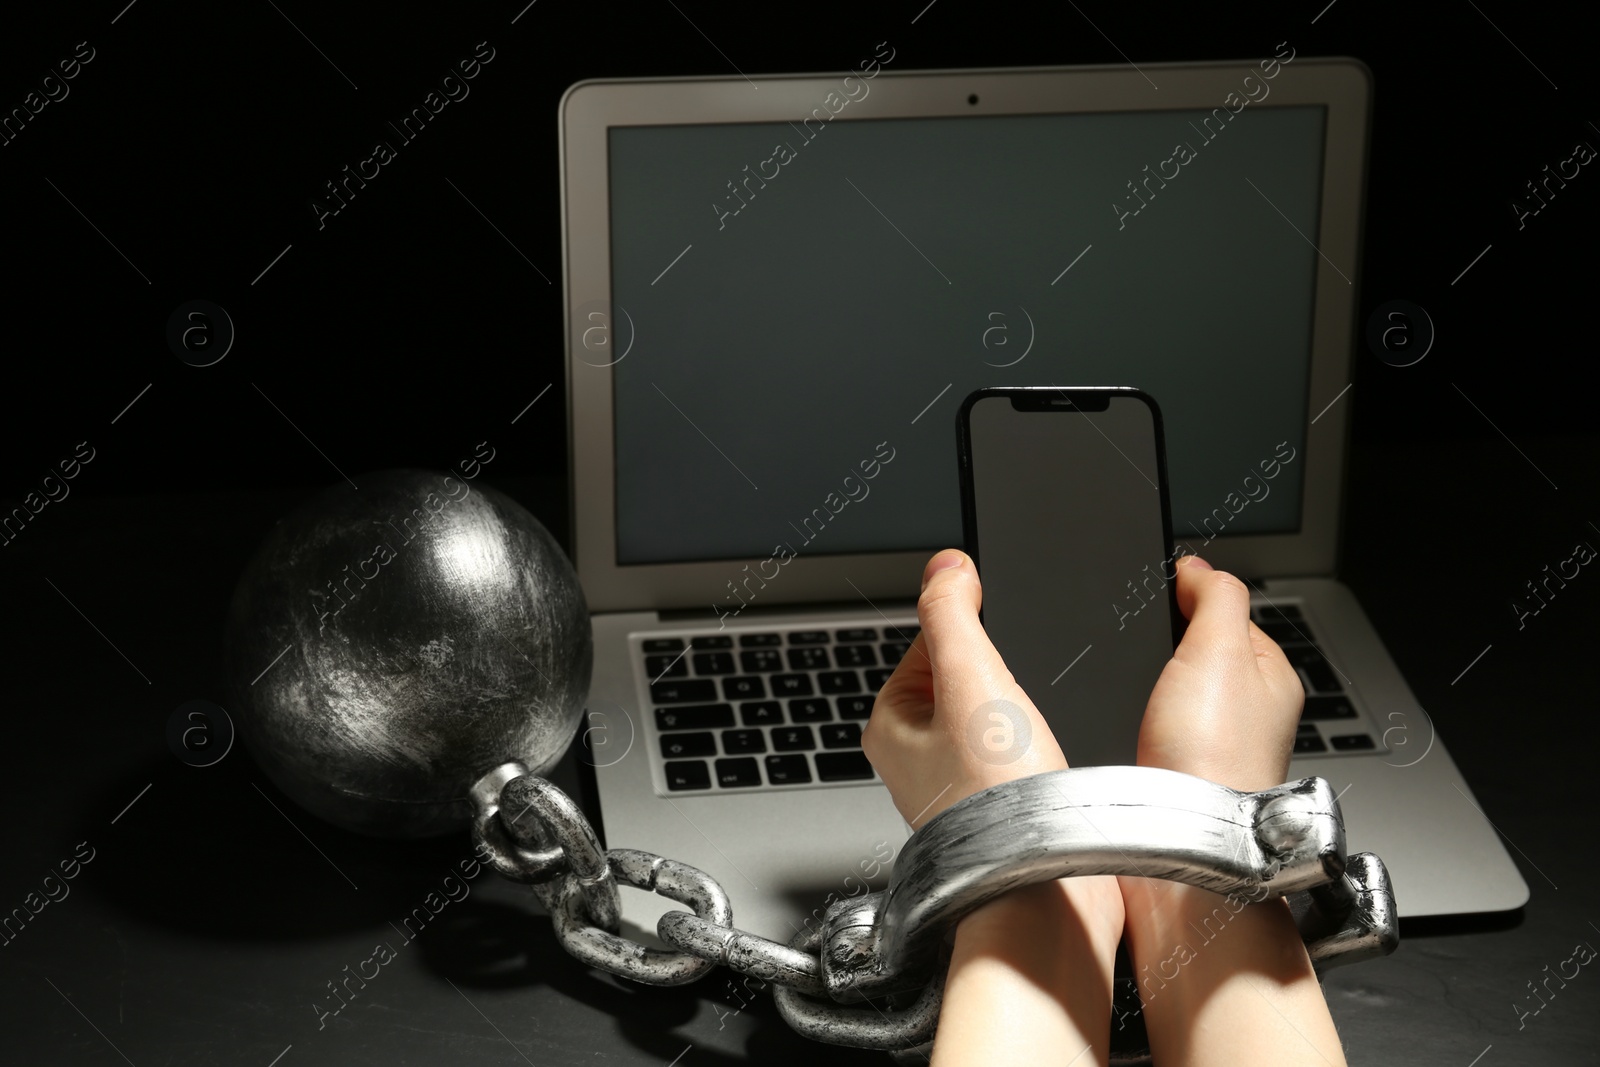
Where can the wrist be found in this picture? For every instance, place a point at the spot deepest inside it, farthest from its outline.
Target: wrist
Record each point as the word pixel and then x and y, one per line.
pixel 1030 975
pixel 1204 963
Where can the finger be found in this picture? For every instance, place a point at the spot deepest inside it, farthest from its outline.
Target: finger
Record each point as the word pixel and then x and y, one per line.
pixel 967 669
pixel 1217 606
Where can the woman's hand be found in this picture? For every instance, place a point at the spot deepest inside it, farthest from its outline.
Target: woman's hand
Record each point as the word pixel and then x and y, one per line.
pixel 1227 704
pixel 951 721
pixel 1241 990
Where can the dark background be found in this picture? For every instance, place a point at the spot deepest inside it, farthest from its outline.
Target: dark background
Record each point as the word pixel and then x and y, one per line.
pixel 408 329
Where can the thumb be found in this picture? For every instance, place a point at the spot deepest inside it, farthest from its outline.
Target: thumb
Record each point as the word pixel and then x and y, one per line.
pixel 967 669
pixel 1217 605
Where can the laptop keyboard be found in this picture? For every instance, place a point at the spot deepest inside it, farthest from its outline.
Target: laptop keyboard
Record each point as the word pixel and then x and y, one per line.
pixel 784 708
pixel 767 709
pixel 1329 724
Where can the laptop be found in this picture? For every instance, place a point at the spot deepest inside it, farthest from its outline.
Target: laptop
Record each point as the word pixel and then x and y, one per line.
pixel 778 290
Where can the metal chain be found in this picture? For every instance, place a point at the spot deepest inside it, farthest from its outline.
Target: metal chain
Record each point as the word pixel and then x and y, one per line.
pixel 872 975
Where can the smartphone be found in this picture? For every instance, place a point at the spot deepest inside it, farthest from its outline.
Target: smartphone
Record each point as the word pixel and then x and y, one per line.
pixel 1065 512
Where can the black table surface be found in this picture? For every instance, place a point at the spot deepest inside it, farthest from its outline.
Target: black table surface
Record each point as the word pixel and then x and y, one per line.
pixel 194 159
pixel 212 914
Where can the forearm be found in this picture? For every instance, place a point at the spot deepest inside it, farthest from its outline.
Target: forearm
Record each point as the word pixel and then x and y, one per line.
pixel 1030 977
pixel 1224 981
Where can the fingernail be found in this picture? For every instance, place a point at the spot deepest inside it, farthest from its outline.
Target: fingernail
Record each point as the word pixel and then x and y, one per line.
pixel 942 562
pixel 1196 561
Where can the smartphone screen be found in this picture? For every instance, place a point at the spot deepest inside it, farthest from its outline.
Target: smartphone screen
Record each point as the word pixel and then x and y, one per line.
pixel 1064 499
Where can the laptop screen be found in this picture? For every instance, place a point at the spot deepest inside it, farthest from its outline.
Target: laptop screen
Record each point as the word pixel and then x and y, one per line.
pixel 801 304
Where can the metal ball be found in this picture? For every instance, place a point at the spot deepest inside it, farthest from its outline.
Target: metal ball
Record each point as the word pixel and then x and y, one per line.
pixel 390 645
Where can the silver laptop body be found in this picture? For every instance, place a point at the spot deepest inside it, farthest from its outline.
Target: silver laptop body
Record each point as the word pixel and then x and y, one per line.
pixel 751 330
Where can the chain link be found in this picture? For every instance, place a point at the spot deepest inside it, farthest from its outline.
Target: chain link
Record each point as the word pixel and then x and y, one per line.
pixel 495 840
pixel 862 1027
pixel 572 857
pixel 653 966
pixel 872 975
pixel 744 953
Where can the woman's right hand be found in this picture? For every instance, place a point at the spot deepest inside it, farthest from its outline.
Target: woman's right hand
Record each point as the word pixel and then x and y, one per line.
pixel 1226 706
pixel 1224 709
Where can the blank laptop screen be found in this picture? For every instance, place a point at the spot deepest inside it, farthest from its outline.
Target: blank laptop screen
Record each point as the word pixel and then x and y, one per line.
pixel 796 304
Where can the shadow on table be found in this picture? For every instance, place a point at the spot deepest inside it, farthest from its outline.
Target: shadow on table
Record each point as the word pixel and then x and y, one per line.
pixel 219 853
pixel 489 945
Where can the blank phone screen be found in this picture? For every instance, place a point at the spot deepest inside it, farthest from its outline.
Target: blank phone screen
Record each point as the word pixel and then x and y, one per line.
pixel 1074 563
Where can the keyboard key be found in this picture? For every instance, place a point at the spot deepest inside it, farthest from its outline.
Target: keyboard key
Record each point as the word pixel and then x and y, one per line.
pixel 1283 631
pixel 761 661
pixel 808 659
pixel 841 735
pixel 759 640
pixel 1319 709
pixel 1278 611
pixel 1318 674
pixel 738 742
pixel 663 644
pixel 808 637
pixel 854 656
pixel 743 688
pixel 678 746
pixel 842 766
pixel 694 717
pixel 876 677
pixel 761 713
pixel 811 709
pixel 713 662
pixel 839 682
pixel 865 633
pixel 788 770
pixel 907 633
pixel 687 691
pixel 854 707
pixel 1351 743
pixel 712 641
pixel 791 685
pixel 1304 743
pixel 688 774
pixel 894 651
pixel 666 665
pixel 791 738
pixel 737 773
